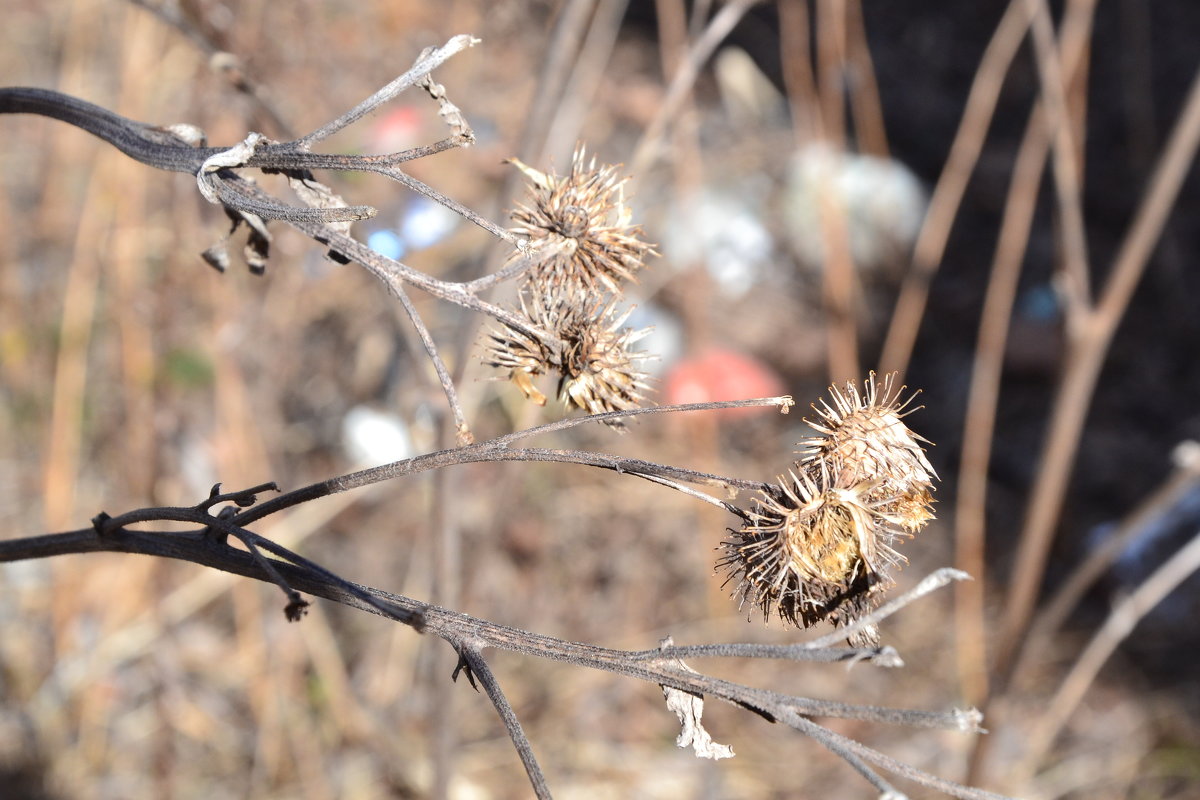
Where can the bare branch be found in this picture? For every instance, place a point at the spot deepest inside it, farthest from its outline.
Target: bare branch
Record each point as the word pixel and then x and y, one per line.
pixel 477 667
pixel 425 63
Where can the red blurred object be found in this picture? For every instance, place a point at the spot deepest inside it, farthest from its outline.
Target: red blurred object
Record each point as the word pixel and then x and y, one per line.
pixel 398 129
pixel 719 374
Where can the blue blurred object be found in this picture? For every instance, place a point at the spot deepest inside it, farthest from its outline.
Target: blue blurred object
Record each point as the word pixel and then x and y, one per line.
pixel 422 224
pixel 1151 545
pixel 1039 303
pixel 387 243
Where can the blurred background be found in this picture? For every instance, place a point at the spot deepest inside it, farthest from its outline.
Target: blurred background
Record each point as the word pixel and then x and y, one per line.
pixel 834 186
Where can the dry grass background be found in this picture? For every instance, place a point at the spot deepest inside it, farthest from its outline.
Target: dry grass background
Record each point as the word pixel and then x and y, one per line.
pixel 134 375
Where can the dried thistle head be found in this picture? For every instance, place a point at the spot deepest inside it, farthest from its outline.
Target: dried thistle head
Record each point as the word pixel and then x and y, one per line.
pixel 812 550
pixel 597 364
pixel 820 543
pixel 579 227
pixel 587 345
pixel 523 355
pixel 864 432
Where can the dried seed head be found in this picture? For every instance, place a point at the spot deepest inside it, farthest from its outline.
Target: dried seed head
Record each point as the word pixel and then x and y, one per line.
pixel 820 543
pixel 865 433
pixel 521 354
pixel 579 228
pixel 597 365
pixel 812 550
pixel 587 346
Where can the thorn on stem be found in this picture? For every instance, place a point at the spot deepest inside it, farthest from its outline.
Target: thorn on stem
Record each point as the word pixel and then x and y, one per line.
pixel 464 667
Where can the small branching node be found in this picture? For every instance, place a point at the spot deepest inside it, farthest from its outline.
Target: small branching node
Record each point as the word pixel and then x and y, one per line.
pixel 296 608
pixel 220 534
pixel 236 156
pixel 243 498
pixel 463 666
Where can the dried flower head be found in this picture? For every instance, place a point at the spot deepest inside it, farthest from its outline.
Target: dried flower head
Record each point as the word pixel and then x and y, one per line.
pixel 865 433
pixel 597 365
pixel 523 355
pixel 587 345
pixel 579 228
pixel 820 543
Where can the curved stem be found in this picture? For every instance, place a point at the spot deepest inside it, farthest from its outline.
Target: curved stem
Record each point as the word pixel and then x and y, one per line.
pixel 480 669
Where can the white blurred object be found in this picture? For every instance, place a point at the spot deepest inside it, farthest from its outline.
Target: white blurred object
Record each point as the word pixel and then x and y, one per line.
pixel 883 205
pixel 425 223
pixel 722 231
pixel 665 340
pixel 748 95
pixel 372 437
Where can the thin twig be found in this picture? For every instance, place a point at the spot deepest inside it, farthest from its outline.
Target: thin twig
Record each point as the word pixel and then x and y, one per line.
pixel 838 746
pixel 579 95
pixel 1184 479
pixel 1083 371
pixel 884 656
pixel 479 669
pixel 404 178
pixel 487 451
pixel 930 583
pixel 1068 191
pixel 444 525
pixel 869 129
pixel 426 63
pixel 647 150
pixel 983 400
pixel 798 78
pixel 784 402
pixel 518 267
pixel 845 746
pixel 951 186
pixel 562 53
pixel 1116 628
pixel 830 30
pixel 463 430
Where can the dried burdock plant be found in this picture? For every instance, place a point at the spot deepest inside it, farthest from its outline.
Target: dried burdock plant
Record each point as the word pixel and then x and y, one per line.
pixel 815 546
pixel 580 225
pixel 587 346
pixel 820 542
